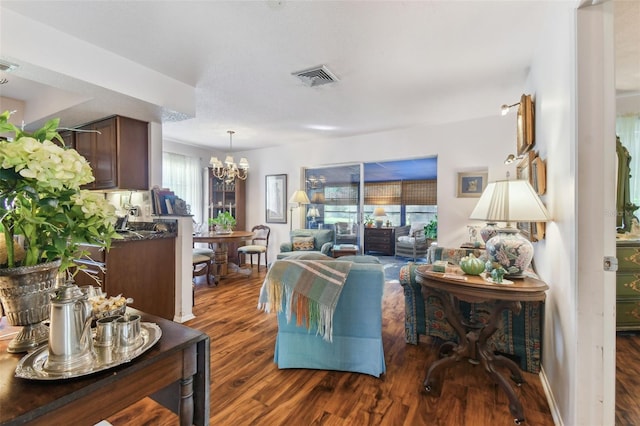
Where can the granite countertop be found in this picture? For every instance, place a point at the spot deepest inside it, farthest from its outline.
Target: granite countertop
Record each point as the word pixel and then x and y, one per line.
pixel 148 231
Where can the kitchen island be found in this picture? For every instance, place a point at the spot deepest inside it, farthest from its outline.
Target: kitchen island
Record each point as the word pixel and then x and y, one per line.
pixel 141 266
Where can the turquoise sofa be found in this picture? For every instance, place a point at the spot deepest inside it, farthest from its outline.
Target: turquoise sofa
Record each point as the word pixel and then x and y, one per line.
pixel 322 242
pixel 519 338
pixel 357 330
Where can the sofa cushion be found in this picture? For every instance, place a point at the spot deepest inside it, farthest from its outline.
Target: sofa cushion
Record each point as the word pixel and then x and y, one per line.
pixel 303 243
pixel 407 239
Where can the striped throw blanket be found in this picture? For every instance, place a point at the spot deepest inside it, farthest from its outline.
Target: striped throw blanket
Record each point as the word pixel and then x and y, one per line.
pixel 308 288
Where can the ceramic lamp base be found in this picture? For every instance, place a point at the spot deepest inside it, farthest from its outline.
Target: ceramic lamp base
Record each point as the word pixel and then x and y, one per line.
pixel 488 231
pixel 511 250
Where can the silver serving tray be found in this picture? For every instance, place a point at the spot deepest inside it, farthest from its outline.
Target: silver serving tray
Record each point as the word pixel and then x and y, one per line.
pixel 31 366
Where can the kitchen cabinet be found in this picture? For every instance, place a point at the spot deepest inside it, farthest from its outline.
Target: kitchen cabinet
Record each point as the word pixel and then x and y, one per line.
pixel 628 285
pixel 117 149
pixel 380 240
pixel 142 269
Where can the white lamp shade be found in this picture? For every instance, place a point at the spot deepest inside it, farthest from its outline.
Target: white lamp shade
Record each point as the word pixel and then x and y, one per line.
pixel 510 201
pixel 215 162
pixel 379 211
pixel 244 163
pixel 299 197
pixel 229 160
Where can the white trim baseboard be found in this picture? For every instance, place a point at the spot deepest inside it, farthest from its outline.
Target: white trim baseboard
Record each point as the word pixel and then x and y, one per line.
pixel 553 406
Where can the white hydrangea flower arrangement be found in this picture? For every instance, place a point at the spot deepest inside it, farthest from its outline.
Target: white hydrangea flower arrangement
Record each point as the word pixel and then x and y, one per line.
pixel 41 200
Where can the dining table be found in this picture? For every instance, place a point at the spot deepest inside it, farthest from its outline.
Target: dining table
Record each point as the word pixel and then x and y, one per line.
pixel 219 243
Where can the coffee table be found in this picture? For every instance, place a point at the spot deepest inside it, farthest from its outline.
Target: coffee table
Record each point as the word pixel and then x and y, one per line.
pixel 345 250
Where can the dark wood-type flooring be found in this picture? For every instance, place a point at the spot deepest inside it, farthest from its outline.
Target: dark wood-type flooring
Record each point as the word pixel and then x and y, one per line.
pixel 247 388
pixel 627 378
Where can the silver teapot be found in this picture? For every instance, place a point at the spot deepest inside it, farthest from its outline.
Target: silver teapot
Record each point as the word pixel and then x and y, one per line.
pixel 70 339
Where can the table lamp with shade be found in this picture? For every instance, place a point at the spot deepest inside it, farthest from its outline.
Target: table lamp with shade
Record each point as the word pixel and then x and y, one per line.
pixel 510 201
pixel 300 198
pixel 379 213
pixel 312 214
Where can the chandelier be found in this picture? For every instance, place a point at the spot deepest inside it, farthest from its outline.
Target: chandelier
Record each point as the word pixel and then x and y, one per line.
pixel 229 170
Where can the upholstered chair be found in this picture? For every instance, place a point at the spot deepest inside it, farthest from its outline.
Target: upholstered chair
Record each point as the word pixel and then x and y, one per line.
pixel 259 245
pixel 411 242
pixel 356 343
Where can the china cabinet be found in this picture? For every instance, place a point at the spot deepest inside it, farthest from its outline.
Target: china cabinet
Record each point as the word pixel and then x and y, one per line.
pixel 228 197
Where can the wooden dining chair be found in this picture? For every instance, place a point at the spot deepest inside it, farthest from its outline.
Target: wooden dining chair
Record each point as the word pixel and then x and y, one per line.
pixel 259 244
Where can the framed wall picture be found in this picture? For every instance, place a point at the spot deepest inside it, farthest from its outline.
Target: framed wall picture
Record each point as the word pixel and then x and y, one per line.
pixel 525 124
pixel 471 184
pixel 528 169
pixel 276 198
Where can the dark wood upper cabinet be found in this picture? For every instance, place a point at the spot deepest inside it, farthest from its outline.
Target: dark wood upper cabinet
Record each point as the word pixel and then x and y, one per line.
pixel 117 149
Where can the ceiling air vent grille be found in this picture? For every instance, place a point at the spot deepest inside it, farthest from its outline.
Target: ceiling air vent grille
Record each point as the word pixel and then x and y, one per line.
pixel 316 76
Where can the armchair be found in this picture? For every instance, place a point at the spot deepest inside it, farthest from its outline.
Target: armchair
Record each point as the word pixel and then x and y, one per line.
pixel 357 328
pixel 411 242
pixel 346 233
pixel 519 338
pixel 307 241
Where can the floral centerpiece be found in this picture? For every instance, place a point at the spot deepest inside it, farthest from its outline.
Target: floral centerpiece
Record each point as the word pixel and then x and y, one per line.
pixel 41 200
pixel 44 217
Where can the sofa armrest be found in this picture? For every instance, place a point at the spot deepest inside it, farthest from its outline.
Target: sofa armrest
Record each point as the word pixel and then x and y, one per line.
pixel 326 248
pixel 286 247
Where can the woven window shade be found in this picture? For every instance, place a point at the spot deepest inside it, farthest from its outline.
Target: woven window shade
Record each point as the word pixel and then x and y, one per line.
pixel 383 193
pixel 420 192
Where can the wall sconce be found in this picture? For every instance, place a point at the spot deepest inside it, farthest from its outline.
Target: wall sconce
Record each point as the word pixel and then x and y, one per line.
pixel 511 158
pixel 504 109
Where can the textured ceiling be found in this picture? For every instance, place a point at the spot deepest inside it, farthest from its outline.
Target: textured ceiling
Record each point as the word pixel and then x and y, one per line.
pixel 399 63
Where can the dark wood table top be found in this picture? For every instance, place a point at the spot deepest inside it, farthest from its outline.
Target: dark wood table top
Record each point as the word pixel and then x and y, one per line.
pixel 472 288
pixel 23 399
pixel 212 237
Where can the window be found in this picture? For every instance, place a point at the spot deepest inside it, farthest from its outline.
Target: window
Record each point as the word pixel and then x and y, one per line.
pixel 183 176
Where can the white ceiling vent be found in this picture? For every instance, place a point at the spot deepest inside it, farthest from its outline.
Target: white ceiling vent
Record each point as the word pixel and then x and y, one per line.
pixel 316 76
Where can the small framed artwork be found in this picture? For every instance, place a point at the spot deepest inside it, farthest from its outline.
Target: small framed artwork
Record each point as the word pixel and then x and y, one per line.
pixel 539 175
pixel 276 198
pixel 529 169
pixel 525 124
pixel 471 184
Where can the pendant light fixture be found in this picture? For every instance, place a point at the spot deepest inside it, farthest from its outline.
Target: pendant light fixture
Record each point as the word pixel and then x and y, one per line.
pixel 229 170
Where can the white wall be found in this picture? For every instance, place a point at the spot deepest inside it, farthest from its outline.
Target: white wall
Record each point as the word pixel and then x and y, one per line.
pixel 552 82
pixel 463 146
pixel 573 89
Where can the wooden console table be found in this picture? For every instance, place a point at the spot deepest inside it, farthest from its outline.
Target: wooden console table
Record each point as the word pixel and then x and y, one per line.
pixel 174 372
pixel 450 288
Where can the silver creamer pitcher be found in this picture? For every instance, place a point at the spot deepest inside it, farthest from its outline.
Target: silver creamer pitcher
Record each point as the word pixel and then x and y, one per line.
pixel 70 340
